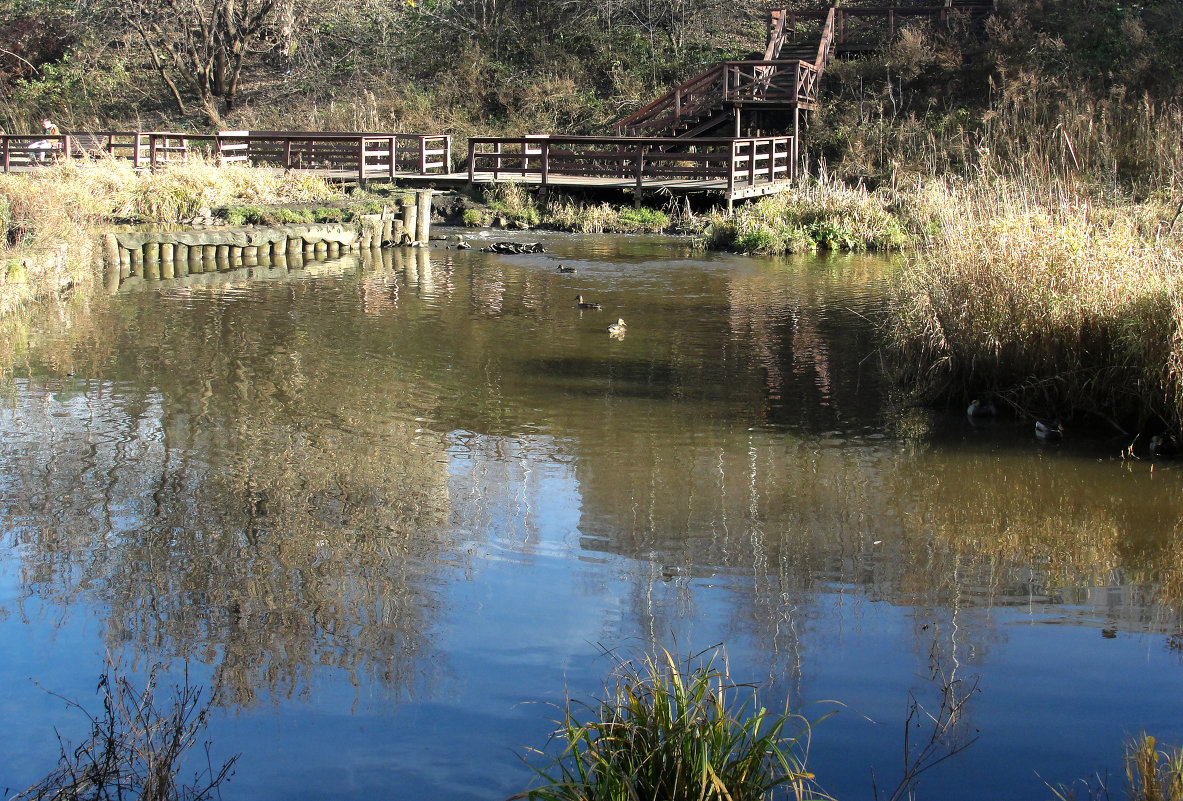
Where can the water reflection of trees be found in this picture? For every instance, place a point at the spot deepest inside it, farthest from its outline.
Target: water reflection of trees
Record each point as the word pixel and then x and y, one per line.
pixel 260 482
pixel 909 525
pixel 224 501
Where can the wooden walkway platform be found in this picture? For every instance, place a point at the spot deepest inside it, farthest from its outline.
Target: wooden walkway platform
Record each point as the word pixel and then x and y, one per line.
pixel 733 167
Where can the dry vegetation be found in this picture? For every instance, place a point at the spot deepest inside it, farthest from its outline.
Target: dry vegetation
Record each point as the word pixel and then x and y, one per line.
pixel 1056 305
pixel 49 220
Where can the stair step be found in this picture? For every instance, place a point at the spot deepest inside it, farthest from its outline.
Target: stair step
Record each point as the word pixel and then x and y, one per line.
pixel 803 52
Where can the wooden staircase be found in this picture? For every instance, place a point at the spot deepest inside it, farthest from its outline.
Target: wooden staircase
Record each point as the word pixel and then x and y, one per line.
pixel 787 79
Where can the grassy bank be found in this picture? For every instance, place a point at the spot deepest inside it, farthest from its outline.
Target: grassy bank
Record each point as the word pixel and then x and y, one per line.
pixel 822 214
pixel 508 203
pixel 1048 301
pixel 49 220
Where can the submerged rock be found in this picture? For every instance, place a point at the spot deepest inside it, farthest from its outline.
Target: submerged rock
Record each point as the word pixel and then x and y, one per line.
pixel 513 247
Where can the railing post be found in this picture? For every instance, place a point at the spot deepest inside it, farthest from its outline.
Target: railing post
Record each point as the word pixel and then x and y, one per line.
pixel 287 153
pixel 7 150
pixel 751 162
pixel 422 155
pixel 138 145
pixel 731 176
pixel 393 147
pixel 152 144
pixel 545 161
pixel 361 161
pixel 640 166
pixel 471 160
pixel 496 160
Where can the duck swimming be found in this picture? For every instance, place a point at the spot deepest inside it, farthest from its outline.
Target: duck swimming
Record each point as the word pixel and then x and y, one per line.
pixel 1164 445
pixel 979 409
pixel 1049 432
pixel 565 269
pixel 618 328
pixel 582 304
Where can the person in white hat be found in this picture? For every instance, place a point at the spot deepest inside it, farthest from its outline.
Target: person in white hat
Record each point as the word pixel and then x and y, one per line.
pixel 43 146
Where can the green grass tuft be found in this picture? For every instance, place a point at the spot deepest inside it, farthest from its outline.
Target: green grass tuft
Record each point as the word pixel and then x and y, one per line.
pixel 675 730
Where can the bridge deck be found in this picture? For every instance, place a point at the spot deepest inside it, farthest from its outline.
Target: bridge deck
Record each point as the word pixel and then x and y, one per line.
pixel 649 186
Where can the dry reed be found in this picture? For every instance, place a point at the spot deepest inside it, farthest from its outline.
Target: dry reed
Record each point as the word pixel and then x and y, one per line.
pixel 1053 304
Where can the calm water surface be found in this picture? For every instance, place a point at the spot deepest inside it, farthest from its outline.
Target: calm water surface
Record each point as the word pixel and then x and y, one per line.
pixel 392 511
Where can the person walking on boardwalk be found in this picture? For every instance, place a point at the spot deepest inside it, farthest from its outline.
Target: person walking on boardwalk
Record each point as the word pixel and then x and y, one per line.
pixel 43 146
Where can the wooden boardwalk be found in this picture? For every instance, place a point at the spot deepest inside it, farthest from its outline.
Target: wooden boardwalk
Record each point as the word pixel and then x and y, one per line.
pixel 733 168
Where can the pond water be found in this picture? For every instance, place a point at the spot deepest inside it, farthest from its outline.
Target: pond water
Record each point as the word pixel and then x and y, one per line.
pixel 391 512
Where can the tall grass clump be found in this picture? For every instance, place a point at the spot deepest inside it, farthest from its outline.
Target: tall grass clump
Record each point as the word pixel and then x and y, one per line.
pixel 675 730
pixel 512 202
pixel 1043 298
pixel 1151 774
pixel 566 214
pixel 811 215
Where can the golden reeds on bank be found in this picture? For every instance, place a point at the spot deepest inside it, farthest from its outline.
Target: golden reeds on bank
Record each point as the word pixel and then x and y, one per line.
pixel 1046 300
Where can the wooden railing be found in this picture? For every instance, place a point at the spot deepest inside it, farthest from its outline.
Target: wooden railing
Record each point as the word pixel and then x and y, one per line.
pixel 778 33
pixel 742 163
pixel 369 156
pixel 785 81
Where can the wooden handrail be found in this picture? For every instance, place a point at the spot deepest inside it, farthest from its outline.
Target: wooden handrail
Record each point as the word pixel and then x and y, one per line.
pixel 741 162
pixel 369 154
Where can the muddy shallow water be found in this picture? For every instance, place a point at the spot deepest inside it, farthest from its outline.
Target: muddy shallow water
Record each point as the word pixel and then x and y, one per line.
pixel 390 511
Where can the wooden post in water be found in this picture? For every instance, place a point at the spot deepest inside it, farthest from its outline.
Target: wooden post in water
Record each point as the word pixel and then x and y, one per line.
pixel 423 230
pixel 410 217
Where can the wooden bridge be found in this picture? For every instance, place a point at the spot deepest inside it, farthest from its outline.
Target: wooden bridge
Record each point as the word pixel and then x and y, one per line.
pixel 706 135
